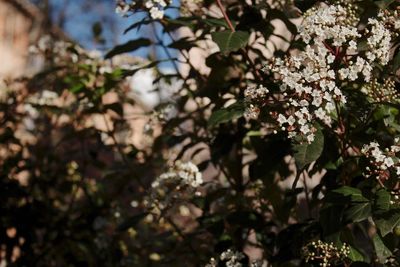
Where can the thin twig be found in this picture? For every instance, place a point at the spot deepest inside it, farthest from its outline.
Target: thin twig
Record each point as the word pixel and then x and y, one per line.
pixel 296 180
pixel 221 7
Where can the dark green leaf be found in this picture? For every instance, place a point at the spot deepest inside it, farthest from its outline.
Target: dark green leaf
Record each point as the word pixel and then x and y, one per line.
pixel 215 22
pixel 183 44
pixel 355 255
pixel 228 41
pixel 387 221
pixel 306 153
pixel 232 112
pixel 138 25
pixel 128 47
pixel 381 250
pixel 126 73
pixel 383 3
pixel 131 221
pixel 396 61
pixel 330 220
pixel 359 264
pixel 357 212
pixel 382 201
pixel 354 194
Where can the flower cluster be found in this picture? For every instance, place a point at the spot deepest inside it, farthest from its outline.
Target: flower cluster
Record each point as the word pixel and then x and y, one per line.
pixel 123 8
pixel 230 258
pixel 58 51
pixel 254 97
pixel 392 19
pixel 309 85
pixel 186 173
pixel 254 93
pixel 62 52
pixel 335 22
pixel 311 80
pixel 190 6
pixel 382 92
pixel 326 254
pixel 180 181
pixel 154 7
pixel 379 40
pixel 382 161
pixel 281 4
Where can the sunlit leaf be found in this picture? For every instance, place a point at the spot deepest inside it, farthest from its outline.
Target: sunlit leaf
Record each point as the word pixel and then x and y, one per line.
pixel 228 41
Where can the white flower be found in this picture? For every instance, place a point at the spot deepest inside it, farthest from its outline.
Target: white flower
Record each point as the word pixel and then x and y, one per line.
pixel 397 24
pixel 232 258
pixel 317 101
pixel 122 10
pixel 291 120
pixel 381 160
pixel 255 93
pixel 149 4
pixel 320 113
pixel 184 172
pixel 156 13
pixel 330 59
pixel 305 129
pixel 310 138
pixel 344 72
pixel 281 119
pixel 314 78
pixel 388 162
pixel 353 45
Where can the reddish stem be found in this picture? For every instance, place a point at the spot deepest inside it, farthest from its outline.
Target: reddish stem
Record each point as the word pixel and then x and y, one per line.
pixel 221 7
pixel 329 48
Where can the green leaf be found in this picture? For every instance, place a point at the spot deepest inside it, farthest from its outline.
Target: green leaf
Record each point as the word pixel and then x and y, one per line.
pixel 228 41
pixel 387 221
pixel 129 46
pixel 306 153
pixel 357 212
pixel 354 194
pixel 384 3
pixel 130 72
pixel 381 250
pixel 138 25
pixel 215 22
pixel 355 255
pixel 184 43
pixel 359 264
pixel 382 201
pixel 396 61
pixel 330 220
pixel 230 113
pixel 77 88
